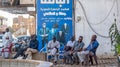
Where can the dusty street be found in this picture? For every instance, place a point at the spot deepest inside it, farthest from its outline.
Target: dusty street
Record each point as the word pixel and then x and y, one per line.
pixel 102 63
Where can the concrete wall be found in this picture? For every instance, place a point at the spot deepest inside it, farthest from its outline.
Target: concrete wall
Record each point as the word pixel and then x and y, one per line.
pixel 23 63
pixel 27 1
pixel 96 11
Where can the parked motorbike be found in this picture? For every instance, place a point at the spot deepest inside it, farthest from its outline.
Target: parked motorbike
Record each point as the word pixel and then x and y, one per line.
pixel 21 44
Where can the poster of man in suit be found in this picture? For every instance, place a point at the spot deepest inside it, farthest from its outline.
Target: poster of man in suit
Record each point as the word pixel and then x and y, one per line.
pixel 57 16
pixel 44 33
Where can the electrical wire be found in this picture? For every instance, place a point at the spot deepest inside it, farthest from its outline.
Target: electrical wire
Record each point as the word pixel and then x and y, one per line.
pixel 117 13
pixel 117 8
pixel 105 16
pixel 89 22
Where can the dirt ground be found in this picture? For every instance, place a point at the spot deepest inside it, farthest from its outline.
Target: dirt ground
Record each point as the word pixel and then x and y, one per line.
pixel 102 63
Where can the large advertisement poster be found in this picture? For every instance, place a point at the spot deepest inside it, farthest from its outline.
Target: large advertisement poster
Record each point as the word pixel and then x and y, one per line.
pixel 54 18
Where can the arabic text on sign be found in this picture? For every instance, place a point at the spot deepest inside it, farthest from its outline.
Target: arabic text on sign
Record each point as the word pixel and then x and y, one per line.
pixel 55 1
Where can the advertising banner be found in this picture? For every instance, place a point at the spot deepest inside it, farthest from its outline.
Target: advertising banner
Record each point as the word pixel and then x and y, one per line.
pixel 54 18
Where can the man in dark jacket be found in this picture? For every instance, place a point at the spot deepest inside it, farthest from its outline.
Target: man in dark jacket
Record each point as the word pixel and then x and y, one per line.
pixel 33 47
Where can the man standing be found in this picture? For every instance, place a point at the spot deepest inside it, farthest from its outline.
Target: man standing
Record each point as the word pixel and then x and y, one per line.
pixel 7 43
pixel 91 49
pixel 8 36
pixel 53 47
pixel 77 48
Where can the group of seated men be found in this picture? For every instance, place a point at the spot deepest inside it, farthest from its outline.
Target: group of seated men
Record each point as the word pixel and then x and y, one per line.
pixel 26 51
pixel 74 51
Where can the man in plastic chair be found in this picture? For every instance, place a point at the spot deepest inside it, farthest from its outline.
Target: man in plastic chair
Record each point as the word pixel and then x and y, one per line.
pixel 90 50
pixel 68 51
pixel 53 47
pixel 77 48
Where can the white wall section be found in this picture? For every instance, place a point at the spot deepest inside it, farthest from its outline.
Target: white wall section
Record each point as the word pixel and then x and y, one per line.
pixel 97 16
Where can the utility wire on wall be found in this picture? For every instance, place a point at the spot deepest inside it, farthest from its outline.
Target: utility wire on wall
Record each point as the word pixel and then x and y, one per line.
pixel 117 14
pixel 89 21
pixel 105 16
pixel 117 8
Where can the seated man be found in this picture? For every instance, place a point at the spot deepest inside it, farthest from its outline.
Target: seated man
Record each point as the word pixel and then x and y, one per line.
pixel 77 48
pixel 53 47
pixel 33 47
pixel 91 49
pixel 68 51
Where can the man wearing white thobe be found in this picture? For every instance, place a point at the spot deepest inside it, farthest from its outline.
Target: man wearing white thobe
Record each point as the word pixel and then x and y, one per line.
pixel 7 43
pixel 8 38
pixel 53 47
pixel 90 50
